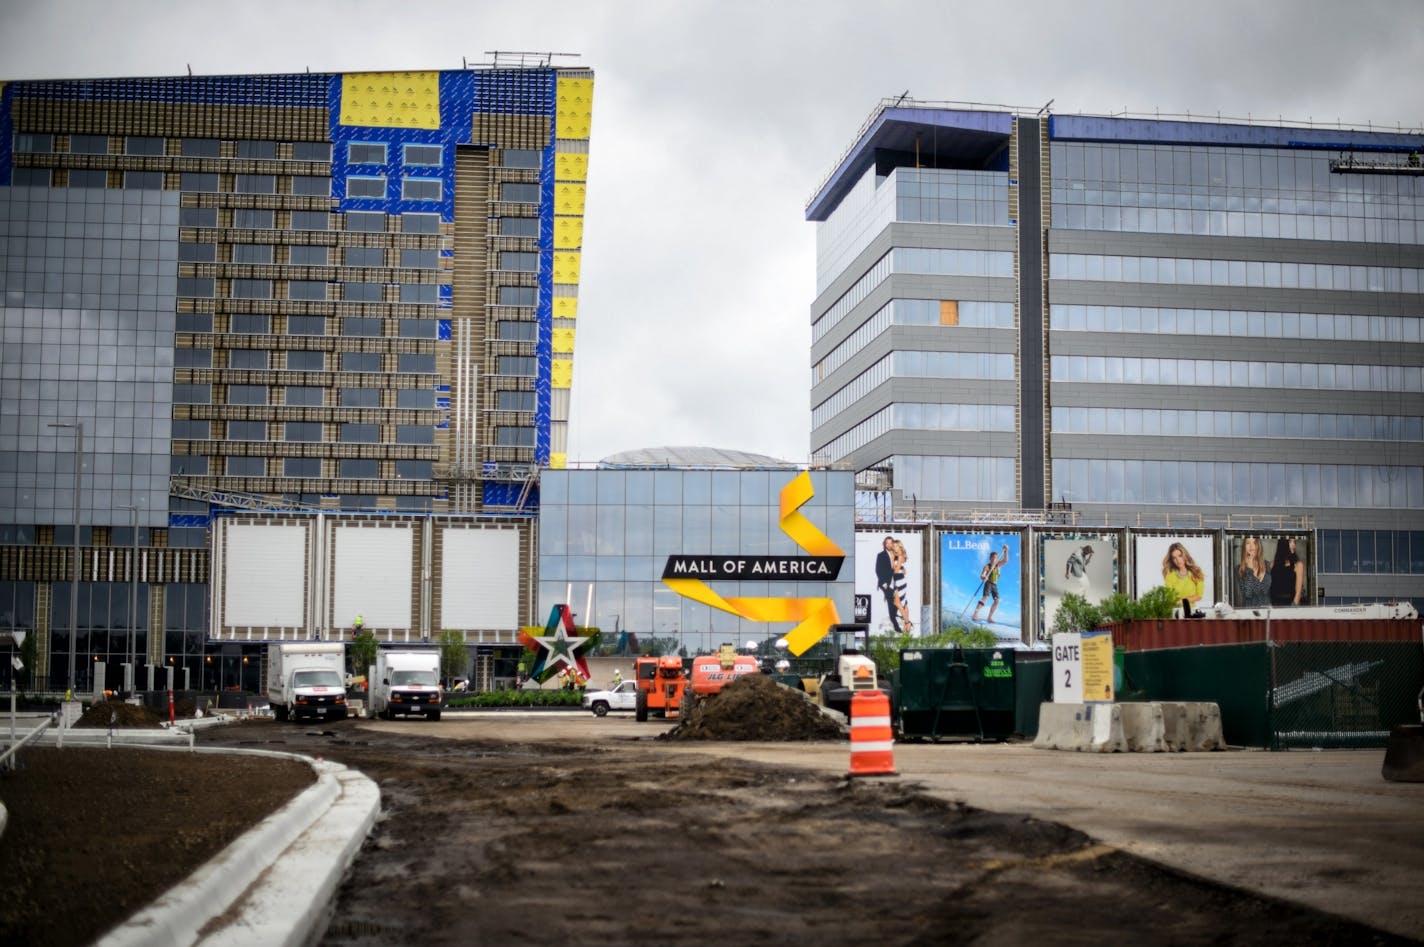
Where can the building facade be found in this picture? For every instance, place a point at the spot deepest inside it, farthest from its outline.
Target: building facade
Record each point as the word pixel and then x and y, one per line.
pixel 328 292
pixel 1119 323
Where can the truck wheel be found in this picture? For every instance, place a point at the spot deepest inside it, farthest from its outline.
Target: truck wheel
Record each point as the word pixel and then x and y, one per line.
pixel 280 712
pixel 389 714
pixel 685 708
pixel 600 708
pixel 433 715
pixel 640 708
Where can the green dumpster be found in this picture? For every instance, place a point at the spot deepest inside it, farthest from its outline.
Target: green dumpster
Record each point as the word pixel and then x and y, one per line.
pixel 956 693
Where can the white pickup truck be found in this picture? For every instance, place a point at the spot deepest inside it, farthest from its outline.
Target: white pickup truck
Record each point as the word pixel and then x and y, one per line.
pixel 622 697
pixel 307 679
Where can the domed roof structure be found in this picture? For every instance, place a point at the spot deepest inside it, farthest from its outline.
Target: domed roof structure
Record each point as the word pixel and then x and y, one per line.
pixel 701 458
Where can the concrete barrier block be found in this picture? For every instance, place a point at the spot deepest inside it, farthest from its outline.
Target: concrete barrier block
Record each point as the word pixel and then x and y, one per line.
pixel 1143 727
pixel 1092 728
pixel 1193 726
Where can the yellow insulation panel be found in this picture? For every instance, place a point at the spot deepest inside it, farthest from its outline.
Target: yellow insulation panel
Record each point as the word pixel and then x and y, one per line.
pixel 568 198
pixel 558 461
pixel 561 373
pixel 566 267
pixel 575 108
pixel 391 99
pixel 563 341
pixel 568 233
pixel 570 166
pixel 565 307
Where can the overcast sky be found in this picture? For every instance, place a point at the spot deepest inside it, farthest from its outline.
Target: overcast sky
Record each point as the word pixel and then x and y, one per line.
pixel 715 120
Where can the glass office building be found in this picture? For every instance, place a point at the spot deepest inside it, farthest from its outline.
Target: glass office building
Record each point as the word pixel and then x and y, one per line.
pixel 326 292
pixel 1131 322
pixel 609 537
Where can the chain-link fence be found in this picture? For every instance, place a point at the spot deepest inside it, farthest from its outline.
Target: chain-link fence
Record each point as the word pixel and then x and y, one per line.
pixel 1341 693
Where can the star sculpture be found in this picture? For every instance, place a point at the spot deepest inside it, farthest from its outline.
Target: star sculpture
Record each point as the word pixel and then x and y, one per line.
pixel 558 648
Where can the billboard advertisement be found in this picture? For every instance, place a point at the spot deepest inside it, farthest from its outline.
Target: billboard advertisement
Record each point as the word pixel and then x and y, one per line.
pixel 981 582
pixel 1183 563
pixel 1269 569
pixel 1085 565
pixel 888 586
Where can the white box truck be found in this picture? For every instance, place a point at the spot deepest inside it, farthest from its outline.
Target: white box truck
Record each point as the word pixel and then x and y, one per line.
pixel 406 682
pixel 307 679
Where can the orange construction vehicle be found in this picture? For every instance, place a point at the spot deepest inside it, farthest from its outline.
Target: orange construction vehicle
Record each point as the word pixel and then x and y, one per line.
pixel 712 672
pixel 661 683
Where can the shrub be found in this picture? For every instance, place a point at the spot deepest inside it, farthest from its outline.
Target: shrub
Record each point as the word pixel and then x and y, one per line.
pixel 519 698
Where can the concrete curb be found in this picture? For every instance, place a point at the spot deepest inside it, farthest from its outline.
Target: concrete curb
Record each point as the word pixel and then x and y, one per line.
pixel 277 880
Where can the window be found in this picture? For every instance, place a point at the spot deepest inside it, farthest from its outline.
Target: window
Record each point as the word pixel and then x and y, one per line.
pixel 510 331
pixel 522 158
pixel 420 189
pixel 419 328
pixel 360 398
pixel 252 218
pixel 308 256
pixel 252 253
pixel 89 144
pixel 311 151
pixel 246 466
pixel 29 143
pixel 519 227
pixel 306 397
pixel 197 252
pixel 30 177
pixel 184 430
pixel 311 220
pixel 418 293
pixel 306 325
pixel 198 217
pixel 306 361
pixel 192 358
pixel 201 322
pixel 141 145
pixel 361 292
pixel 361 327
pixel 143 180
pixel 516 400
pixel 420 223
pixel 361 433
pixel 360 361
pixel 420 259
pixel 413 469
pixel 364 152
pixel 358 469
pixel 301 466
pixel 257 149
pixel 309 185
pixel 415 398
pixel 514 436
pixel 366 221
pixel 415 434
pixel 251 289
pixel 251 323
pixel 255 184
pixel 251 359
pixel 306 289
pixel 309 431
pixel 201 148
pixel 192 395
pixel 198 181
pixel 88 177
pixel 519 193
pixel 416 364
pixel 247 430
pixel 364 256
pixel 518 295
pixel 246 394
pixel 520 365
pixel 196 286
pixel 365 187
pixel 423 154
pixel 187 466
pixel 519 262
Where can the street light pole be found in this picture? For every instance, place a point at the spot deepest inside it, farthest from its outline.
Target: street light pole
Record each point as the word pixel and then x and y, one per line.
pixel 78 427
pixel 133 596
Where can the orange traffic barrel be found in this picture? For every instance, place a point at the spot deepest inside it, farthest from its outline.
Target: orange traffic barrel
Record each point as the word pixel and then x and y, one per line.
pixel 872 743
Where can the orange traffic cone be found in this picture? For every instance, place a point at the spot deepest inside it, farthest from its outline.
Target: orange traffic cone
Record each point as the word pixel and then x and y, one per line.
pixel 872 742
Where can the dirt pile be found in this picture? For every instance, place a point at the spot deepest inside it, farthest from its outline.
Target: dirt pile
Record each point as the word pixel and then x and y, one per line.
pixel 116 713
pixel 754 707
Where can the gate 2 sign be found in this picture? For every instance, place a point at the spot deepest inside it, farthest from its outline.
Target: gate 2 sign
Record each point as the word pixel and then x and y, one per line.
pixel 1083 668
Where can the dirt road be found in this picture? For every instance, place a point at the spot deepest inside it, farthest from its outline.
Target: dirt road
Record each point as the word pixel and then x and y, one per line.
pixel 565 828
